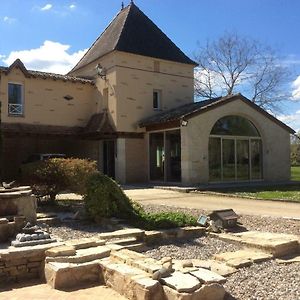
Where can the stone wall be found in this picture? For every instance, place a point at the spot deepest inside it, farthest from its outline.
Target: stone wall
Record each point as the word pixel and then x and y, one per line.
pixel 21 264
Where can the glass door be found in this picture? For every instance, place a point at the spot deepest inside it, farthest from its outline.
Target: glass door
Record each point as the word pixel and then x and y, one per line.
pixel 157 156
pixel 228 154
pixel 242 160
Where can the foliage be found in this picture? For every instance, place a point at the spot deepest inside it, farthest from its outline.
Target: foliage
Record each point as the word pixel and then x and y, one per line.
pixel 233 62
pixel 295 173
pixel 295 150
pixel 151 221
pixel 105 199
pixel 55 175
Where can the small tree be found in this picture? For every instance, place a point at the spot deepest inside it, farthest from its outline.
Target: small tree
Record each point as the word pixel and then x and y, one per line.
pixel 233 62
pixel 295 149
pixel 50 177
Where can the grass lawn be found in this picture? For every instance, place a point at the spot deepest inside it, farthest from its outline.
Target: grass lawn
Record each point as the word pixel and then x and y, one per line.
pixel 295 172
pixel 284 192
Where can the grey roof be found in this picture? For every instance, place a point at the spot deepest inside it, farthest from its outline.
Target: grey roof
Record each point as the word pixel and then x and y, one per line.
pixel 189 110
pixel 132 31
pixel 98 125
pixel 177 113
pixel 38 74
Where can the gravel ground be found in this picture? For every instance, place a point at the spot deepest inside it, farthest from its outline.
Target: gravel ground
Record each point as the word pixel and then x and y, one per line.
pixel 265 281
pixel 270 224
pixel 201 248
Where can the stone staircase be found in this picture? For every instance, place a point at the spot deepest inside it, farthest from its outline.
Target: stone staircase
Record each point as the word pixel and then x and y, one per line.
pixel 109 260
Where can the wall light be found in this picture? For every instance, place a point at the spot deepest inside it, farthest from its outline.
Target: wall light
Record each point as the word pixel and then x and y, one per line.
pixel 184 123
pixel 101 71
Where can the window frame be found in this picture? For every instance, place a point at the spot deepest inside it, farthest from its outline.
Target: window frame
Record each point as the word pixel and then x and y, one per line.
pixel 16 114
pixel 159 101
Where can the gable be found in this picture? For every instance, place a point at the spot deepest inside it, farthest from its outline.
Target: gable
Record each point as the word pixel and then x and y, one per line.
pixel 194 109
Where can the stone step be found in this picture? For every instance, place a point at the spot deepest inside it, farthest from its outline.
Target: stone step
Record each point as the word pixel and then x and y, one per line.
pixel 67 275
pixel 126 241
pixel 82 255
pixel 138 247
pixel 243 258
pixel 277 244
pixel 137 260
pixel 85 243
pixel 130 282
pixel 123 233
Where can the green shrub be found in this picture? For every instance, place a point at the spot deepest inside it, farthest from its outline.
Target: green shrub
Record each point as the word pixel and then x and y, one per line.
pixel 105 199
pixel 151 221
pixel 52 176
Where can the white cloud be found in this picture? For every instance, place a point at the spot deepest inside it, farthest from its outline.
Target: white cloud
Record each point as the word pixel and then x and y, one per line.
pixel 296 89
pixel 72 6
pixel 293 120
pixel 9 20
pixel 50 57
pixel 46 7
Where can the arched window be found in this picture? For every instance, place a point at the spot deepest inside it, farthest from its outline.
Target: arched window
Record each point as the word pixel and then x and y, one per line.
pixel 235 150
pixel 234 125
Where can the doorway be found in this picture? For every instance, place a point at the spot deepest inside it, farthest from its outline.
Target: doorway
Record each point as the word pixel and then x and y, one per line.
pixel 109 158
pixel 165 156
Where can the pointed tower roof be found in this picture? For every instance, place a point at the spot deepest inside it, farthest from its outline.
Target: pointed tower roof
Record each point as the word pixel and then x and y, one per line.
pixel 133 32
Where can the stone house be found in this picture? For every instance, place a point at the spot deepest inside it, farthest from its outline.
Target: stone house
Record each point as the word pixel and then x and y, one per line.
pixel 129 105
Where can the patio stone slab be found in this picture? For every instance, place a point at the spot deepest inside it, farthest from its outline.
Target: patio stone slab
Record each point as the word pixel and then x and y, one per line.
pixel 207 276
pixel 83 255
pixel 61 251
pixel 242 258
pixel 277 244
pixel 182 283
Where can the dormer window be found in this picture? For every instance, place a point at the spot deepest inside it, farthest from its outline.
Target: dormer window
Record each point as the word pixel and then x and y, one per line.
pixel 157 99
pixel 15 99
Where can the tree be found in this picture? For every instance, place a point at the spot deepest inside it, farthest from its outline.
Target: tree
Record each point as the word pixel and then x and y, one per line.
pixel 234 63
pixel 295 149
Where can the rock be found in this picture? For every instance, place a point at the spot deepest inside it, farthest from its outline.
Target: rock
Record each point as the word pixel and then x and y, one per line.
pixel 61 251
pixel 65 275
pixel 183 283
pixel 34 236
pixel 165 260
pixel 82 255
pixel 289 260
pixel 277 244
pixel 212 291
pixel 206 276
pixel 222 269
pixel 187 263
pixel 168 265
pixel 242 258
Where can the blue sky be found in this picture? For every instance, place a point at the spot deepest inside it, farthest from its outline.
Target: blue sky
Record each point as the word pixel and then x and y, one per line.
pixel 53 35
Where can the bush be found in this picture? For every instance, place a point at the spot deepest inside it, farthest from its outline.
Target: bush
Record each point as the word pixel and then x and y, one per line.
pixel 105 199
pixel 50 177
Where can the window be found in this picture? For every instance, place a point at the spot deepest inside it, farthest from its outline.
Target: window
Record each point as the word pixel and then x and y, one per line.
pixel 235 151
pixel 156 66
pixel 157 99
pixel 15 99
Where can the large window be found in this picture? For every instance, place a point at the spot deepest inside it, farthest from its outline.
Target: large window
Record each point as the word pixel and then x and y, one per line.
pixel 235 150
pixel 15 99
